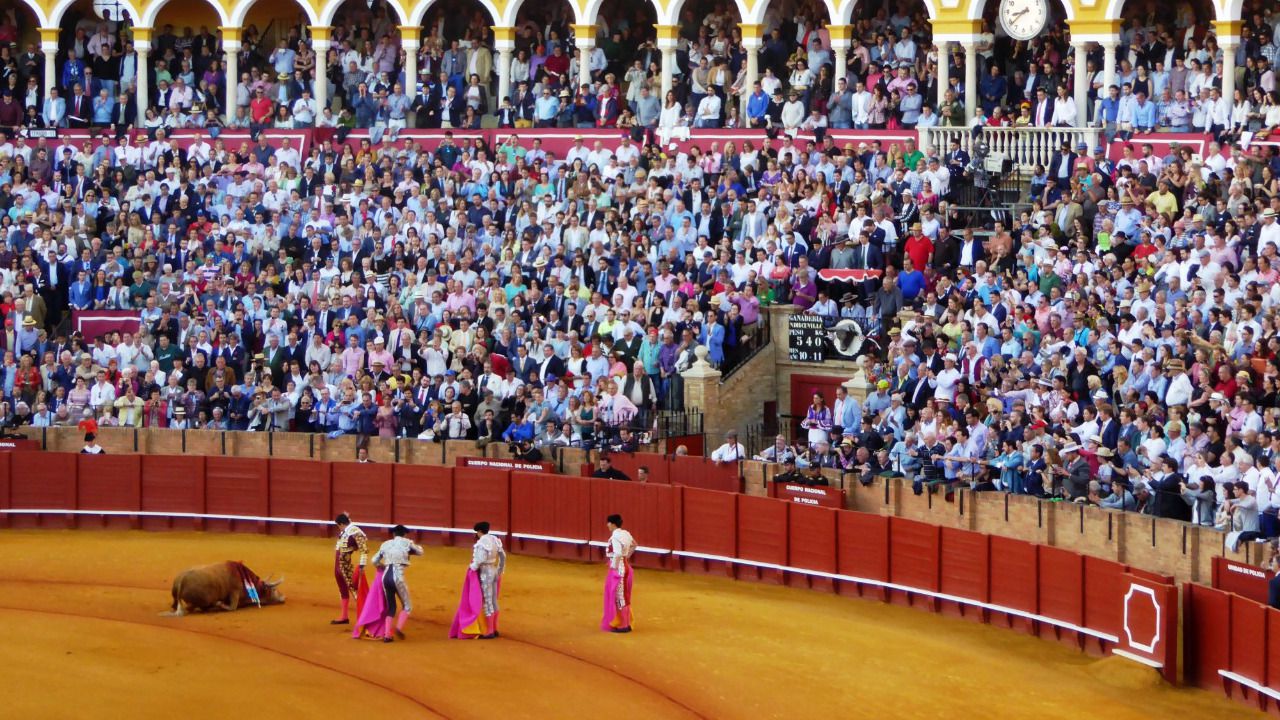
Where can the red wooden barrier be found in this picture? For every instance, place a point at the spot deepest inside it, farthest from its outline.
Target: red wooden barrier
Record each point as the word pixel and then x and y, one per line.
pixel 762 536
pixel 1273 649
pixel 1206 631
pixel 1149 623
pixel 965 570
pixel 1248 638
pixel 808 495
pixel 1242 579
pixel 173 483
pixel 362 490
pixel 811 544
pixel 914 559
pixel 629 463
pixel 647 512
pixel 1061 580
pixel 236 486
pixel 1104 589
pixel 481 495
pixel 6 488
pixel 423 496
pixel 1013 565
pixel 701 473
pixel 109 482
pixel 708 523
pixel 300 489
pixel 550 506
pixel 43 480
pixel 1229 641
pixel 862 550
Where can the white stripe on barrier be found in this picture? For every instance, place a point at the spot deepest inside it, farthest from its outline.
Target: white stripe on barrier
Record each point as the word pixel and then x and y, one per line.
pixel 904 588
pixel 1253 684
pixel 595 543
pixel 548 538
pixel 1137 658
pixel 243 518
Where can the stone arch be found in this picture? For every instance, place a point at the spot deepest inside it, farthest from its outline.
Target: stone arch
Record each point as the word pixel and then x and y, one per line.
pixel 330 9
pixel 241 11
pixel 54 18
pixel 420 11
pixel 670 15
pixel 152 12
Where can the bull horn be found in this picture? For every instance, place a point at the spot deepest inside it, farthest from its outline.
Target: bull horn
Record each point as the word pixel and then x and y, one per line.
pixel 276 583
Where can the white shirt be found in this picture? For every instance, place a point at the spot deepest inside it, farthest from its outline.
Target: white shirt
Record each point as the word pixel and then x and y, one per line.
pixel 1064 111
pixel 946 380
pixel 729 452
pixel 1179 391
pixel 621 547
pixel 709 108
pixel 1269 235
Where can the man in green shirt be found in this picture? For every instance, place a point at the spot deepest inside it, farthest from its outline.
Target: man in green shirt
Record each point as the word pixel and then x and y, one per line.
pixel 913 156
pixel 165 353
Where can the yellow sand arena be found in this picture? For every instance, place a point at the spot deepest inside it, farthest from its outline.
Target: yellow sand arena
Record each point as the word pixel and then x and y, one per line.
pixel 84 639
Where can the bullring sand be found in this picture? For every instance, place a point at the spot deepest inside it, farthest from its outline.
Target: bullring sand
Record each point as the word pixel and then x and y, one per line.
pixel 84 638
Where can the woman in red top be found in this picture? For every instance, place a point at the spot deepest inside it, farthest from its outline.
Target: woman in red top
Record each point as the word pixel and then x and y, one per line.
pixel 26 381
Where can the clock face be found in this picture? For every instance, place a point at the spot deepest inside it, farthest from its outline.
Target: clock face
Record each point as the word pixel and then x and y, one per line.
pixel 1023 19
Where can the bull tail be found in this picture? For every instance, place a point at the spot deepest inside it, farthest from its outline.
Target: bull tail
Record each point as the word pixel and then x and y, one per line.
pixel 175 609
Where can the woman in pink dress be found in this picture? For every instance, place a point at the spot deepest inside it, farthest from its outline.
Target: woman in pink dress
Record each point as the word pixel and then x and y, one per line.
pixel 386 420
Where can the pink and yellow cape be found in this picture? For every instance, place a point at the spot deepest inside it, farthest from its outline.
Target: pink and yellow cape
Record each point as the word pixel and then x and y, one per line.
pixel 470 621
pixel 613 617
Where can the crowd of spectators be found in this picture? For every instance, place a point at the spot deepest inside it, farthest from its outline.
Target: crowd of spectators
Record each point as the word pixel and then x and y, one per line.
pixel 1113 343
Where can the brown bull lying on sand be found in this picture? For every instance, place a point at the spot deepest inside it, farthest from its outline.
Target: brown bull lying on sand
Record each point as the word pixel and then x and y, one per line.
pixel 222 586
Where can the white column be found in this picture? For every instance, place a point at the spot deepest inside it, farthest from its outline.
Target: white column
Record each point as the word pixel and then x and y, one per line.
pixel 840 48
pixel 411 47
pixel 667 41
pixel 1081 63
pixel 321 94
pixel 232 50
pixel 752 47
pixel 944 72
pixel 970 78
pixel 585 45
pixel 1108 64
pixel 144 78
pixel 504 73
pixel 1229 46
pixel 50 50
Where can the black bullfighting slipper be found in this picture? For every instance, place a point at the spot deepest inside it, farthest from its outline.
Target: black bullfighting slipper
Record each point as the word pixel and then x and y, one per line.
pixel 399 634
pixel 490 636
pixel 621 630
pixel 343 621
pixel 387 639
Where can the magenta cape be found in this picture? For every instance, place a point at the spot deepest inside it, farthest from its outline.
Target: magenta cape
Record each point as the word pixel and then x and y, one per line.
pixel 470 622
pixel 613 618
pixel 373 611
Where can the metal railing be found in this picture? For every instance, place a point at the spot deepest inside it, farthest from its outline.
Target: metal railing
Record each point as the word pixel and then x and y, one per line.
pixel 674 423
pixel 758 436
pixel 1025 146
pixel 755 339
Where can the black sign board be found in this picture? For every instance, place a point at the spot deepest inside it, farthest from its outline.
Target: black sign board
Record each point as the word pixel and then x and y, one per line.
pixel 806 339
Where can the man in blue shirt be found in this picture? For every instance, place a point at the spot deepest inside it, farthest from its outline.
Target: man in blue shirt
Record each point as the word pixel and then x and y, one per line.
pixel 1144 114
pixel 757 107
pixel 1108 109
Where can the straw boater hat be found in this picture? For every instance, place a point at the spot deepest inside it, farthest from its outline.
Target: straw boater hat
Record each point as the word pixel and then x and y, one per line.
pixel 1174 364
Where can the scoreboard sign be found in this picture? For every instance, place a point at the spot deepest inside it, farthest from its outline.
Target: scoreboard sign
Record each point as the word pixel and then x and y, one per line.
pixel 806 338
